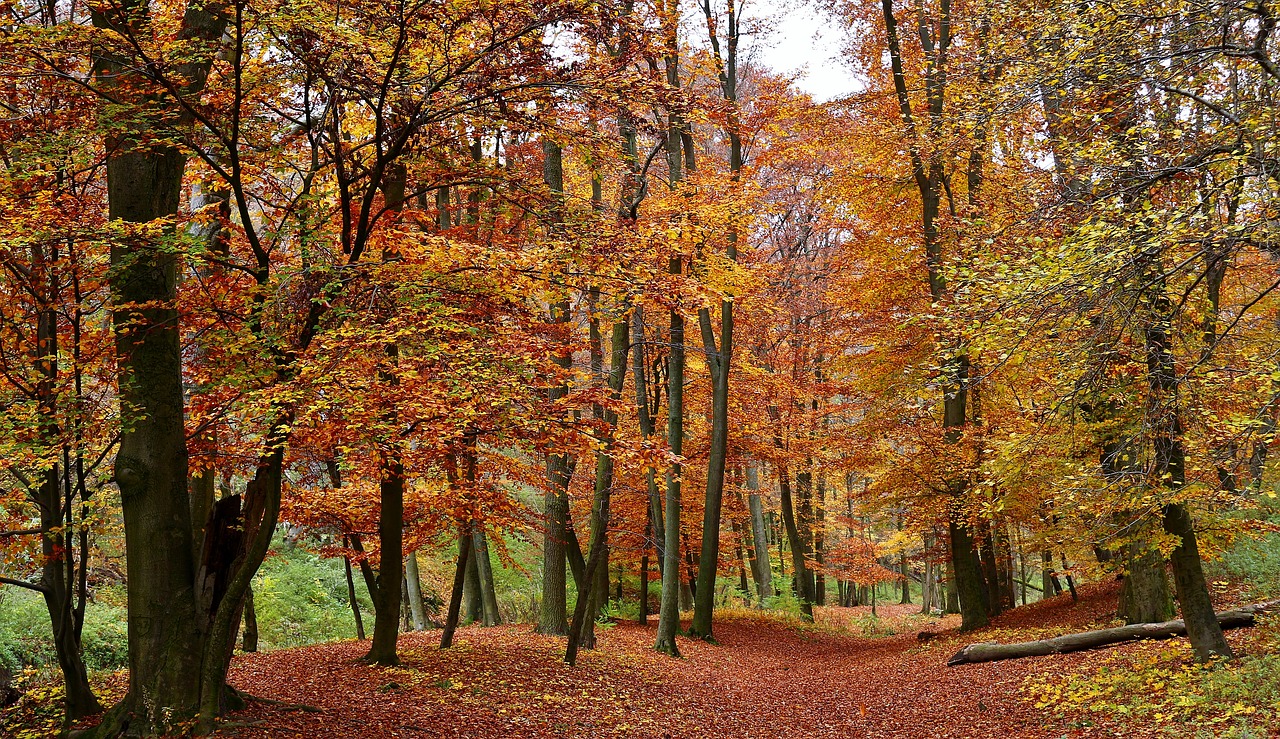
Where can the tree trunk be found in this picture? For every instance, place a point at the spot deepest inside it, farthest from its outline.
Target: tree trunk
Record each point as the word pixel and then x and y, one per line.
pixel 644 418
pixel 991 652
pixel 553 613
pixel 1144 593
pixel 1202 628
pixel 927 585
pixel 386 600
pixel 642 615
pixel 761 568
pixel 953 593
pixel 484 578
pixel 990 570
pixel 249 642
pixel 819 540
pixel 669 609
pixel 151 461
pixel 413 588
pixel 459 580
pixel 144 182
pixel 596 577
pixel 799 549
pixel 473 602
pixel 351 594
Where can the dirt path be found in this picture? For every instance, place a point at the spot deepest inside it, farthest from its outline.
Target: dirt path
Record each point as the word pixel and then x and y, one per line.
pixel 764 679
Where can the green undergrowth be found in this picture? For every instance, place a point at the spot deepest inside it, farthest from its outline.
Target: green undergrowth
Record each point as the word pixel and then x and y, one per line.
pixel 1159 687
pixel 25 640
pixel 301 598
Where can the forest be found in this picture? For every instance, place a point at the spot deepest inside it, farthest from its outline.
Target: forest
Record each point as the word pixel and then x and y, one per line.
pixel 559 368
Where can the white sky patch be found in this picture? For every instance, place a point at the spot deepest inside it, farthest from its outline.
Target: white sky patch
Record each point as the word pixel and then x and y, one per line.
pixel 805 40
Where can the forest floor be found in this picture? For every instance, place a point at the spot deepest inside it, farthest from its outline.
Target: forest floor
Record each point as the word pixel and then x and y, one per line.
pixel 765 678
pixel 848 675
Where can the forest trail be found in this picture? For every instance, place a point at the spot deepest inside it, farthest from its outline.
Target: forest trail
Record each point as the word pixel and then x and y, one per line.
pixel 764 679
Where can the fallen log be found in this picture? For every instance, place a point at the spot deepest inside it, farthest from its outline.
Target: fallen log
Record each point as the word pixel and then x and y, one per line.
pixel 992 651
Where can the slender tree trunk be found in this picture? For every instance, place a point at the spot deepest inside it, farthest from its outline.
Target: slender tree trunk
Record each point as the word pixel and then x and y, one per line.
pixel 413 589
pixel 642 616
pixel 644 417
pixel 819 541
pixel 61 557
pixel 596 577
pixel 953 593
pixel 351 594
pixel 484 578
pixel 669 610
pixel 459 582
pixel 250 638
pixel 799 549
pixel 1170 467
pixel 762 568
pixel 553 614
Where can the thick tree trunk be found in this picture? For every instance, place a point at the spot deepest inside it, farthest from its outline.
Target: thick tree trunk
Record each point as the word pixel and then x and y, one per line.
pixel 1144 593
pixel 991 652
pixel 386 601
pixel 151 461
pixel 473 602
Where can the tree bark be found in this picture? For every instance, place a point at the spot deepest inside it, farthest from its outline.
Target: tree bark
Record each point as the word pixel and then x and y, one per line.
pixel 1144 593
pixel 669 608
pixel 249 642
pixel 553 613
pixel 413 588
pixel 455 596
pixel 386 601
pixel 799 550
pixel 761 568
pixel 991 652
pixel 596 576
pixel 484 572
pixel 472 600
pixel 351 594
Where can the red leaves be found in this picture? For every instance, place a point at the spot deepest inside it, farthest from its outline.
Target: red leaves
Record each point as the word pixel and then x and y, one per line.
pixel 765 679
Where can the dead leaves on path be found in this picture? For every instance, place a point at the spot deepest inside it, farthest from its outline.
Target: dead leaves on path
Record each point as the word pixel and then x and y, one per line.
pixel 764 679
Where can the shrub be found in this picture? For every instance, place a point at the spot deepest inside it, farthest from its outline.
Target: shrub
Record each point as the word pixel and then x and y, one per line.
pixel 26 634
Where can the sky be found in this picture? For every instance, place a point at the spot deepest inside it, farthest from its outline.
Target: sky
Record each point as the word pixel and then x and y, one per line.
pixel 805 39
